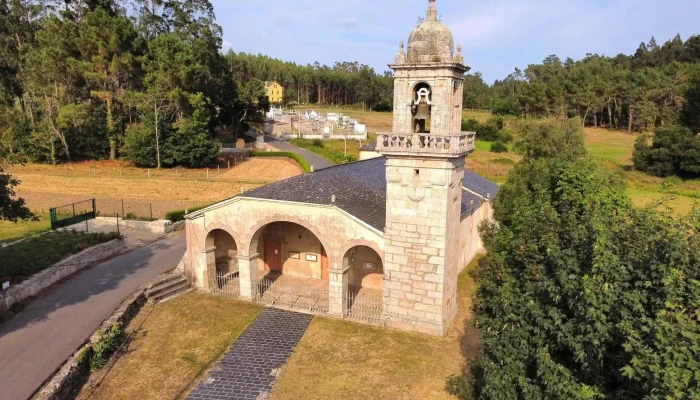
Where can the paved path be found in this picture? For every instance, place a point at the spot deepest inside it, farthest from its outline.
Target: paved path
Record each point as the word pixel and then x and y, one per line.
pixel 312 158
pixel 38 340
pixel 249 368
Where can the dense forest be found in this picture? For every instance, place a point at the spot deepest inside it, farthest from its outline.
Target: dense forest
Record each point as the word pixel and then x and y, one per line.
pixel 655 86
pixel 346 83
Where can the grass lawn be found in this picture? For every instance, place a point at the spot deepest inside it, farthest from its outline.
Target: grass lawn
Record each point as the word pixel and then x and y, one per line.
pixel 339 359
pixel 23 259
pixel 173 345
pixel 10 232
pixel 334 150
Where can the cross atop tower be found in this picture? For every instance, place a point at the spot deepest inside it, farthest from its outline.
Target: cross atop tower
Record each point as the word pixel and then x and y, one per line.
pixel 432 12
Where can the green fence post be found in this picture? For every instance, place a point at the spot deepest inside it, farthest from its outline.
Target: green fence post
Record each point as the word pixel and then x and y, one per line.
pixel 123 209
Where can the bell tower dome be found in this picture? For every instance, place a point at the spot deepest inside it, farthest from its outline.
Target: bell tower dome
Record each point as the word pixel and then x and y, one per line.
pixel 425 155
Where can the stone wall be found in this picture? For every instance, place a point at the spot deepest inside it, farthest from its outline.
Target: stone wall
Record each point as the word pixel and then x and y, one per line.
pixel 67 382
pixel 422 242
pixel 470 242
pixel 68 266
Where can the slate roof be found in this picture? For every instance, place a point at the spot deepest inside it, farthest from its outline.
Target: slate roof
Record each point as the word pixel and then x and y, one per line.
pixel 359 189
pixel 480 185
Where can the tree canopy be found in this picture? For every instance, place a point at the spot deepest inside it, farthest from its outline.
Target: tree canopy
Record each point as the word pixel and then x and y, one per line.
pixel 582 295
pixel 655 86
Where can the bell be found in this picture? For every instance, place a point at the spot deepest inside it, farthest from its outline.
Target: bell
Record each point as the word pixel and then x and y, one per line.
pixel 422 111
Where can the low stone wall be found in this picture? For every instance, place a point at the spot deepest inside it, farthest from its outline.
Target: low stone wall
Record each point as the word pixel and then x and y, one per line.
pixel 68 266
pixel 70 378
pixel 174 226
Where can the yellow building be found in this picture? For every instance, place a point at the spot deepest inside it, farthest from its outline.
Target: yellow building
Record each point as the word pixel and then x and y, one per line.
pixel 275 92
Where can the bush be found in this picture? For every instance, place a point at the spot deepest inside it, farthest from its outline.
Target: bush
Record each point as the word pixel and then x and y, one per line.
pixel 499 147
pixel 383 106
pixel 105 347
pixel 674 151
pixel 317 143
pixel 140 147
pixel 469 125
pixel 497 120
pixel 302 163
pixel 179 215
pixel 505 136
pixel 487 132
pixel 459 387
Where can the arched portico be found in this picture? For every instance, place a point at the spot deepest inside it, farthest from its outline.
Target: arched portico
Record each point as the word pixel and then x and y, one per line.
pixel 221 253
pixel 364 267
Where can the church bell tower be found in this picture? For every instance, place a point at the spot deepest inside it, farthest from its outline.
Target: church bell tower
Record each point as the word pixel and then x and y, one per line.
pixel 425 155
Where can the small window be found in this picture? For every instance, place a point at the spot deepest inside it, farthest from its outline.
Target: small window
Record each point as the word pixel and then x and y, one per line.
pixel 311 257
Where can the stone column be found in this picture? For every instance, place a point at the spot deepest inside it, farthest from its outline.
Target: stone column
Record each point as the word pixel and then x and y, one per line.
pixel 209 276
pixel 248 276
pixel 337 291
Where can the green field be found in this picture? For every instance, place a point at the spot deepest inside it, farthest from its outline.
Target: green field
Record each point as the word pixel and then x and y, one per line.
pixel 30 256
pixel 10 231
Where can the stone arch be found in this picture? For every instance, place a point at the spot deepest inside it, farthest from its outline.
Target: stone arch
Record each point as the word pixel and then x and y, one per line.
pixel 226 228
pixel 361 242
pixel 221 255
pixel 257 229
pixel 421 106
pixel 365 267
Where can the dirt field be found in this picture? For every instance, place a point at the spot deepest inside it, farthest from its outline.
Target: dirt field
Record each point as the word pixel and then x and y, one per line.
pixel 45 186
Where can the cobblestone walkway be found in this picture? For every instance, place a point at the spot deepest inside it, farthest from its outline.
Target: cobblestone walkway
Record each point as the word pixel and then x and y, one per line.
pixel 250 366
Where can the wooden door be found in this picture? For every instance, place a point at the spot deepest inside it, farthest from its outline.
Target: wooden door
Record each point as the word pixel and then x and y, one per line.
pixel 273 255
pixel 324 265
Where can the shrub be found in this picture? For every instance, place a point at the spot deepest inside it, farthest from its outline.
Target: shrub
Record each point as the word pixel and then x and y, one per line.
pixel 674 151
pixel 108 342
pixel 499 147
pixel 179 215
pixel 487 132
pixel 497 120
pixel 302 163
pixel 505 136
pixel 317 143
pixel 469 125
pixel 459 387
pixel 383 106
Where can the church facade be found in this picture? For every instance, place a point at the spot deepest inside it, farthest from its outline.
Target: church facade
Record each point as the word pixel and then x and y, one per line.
pixel 381 240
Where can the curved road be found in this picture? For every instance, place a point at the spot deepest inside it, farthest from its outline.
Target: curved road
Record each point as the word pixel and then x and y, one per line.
pixel 38 340
pixel 312 158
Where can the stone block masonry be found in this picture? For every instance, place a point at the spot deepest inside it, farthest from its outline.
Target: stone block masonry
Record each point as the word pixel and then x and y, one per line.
pixel 249 368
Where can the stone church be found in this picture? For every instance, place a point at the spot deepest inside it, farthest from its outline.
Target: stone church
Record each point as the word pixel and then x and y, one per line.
pixel 379 241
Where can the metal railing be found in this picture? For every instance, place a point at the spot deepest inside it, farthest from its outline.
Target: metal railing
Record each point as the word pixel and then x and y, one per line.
pixel 363 307
pixel 227 284
pixel 300 298
pixel 71 214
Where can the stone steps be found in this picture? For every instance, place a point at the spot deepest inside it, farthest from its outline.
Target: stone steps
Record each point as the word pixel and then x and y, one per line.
pixel 168 288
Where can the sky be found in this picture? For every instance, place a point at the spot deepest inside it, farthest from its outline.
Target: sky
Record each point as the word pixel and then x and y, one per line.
pixel 497 35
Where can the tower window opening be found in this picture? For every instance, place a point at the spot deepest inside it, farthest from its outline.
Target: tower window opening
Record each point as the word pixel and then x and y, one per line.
pixel 422 108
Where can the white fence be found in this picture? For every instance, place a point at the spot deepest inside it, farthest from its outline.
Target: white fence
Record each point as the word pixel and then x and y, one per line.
pixel 364 307
pixel 227 284
pixel 300 298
